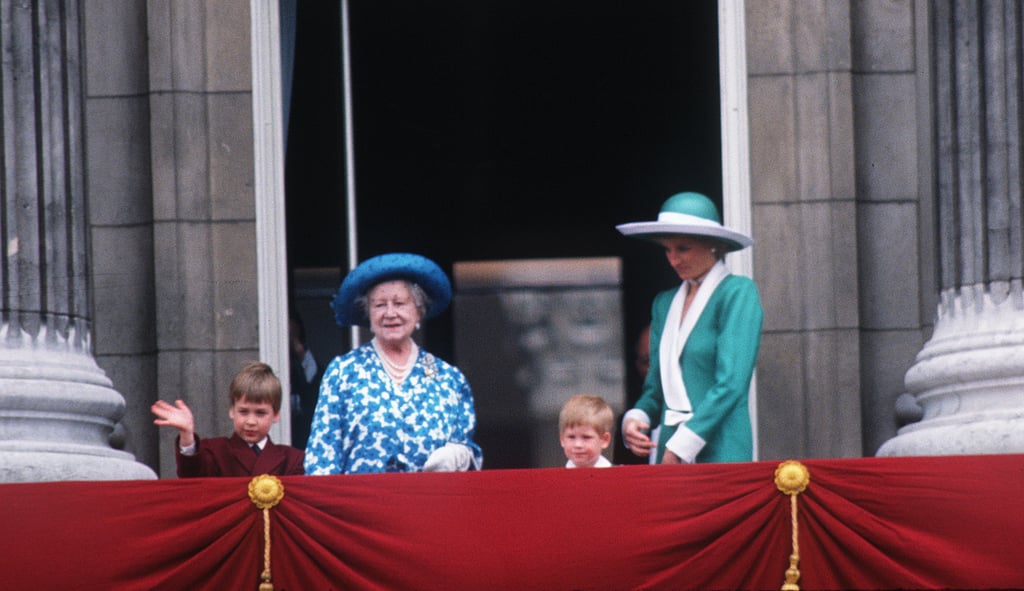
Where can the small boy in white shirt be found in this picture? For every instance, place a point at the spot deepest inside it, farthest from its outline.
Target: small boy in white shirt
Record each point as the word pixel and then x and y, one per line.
pixel 585 427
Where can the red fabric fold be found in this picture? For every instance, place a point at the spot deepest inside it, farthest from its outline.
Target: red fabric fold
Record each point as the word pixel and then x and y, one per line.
pixel 873 523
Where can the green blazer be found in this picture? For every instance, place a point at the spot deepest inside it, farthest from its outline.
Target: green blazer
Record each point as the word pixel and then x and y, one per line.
pixel 717 365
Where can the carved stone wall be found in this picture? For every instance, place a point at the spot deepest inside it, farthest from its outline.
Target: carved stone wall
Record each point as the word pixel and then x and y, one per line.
pixel 528 335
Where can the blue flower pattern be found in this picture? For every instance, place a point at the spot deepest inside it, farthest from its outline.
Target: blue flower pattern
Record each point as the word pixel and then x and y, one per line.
pixel 365 423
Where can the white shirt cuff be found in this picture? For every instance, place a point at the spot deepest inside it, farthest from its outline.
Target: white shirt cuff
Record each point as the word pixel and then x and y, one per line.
pixel 686 444
pixel 187 450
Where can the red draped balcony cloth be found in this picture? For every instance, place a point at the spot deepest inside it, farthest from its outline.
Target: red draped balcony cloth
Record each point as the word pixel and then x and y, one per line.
pixel 875 523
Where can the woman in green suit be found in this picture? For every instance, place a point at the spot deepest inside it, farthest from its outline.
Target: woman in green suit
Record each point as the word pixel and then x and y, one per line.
pixel 705 335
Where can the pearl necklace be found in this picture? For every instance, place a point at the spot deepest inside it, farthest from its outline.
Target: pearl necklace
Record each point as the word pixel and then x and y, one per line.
pixel 398 372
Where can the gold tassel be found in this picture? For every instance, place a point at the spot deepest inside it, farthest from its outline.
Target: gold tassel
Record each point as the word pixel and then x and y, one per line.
pixel 265 491
pixel 792 478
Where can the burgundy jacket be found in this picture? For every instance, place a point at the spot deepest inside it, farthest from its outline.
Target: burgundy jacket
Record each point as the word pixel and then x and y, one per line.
pixel 232 456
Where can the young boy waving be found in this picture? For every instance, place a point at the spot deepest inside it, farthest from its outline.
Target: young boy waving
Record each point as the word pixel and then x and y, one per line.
pixel 255 405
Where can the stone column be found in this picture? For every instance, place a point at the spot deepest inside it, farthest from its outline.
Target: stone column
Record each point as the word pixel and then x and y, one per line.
pixel 969 377
pixel 57 407
pixel 804 186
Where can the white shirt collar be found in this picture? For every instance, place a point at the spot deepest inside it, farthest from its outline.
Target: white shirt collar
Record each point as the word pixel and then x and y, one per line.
pixel 602 462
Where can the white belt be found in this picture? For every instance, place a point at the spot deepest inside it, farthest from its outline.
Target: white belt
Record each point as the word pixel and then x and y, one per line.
pixel 677 417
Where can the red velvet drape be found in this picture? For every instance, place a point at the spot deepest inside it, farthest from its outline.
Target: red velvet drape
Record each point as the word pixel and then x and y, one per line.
pixel 875 523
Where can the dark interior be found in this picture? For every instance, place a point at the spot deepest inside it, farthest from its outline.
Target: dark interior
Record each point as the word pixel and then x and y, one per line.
pixel 503 130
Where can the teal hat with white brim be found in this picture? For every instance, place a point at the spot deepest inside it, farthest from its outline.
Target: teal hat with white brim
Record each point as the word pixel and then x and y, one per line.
pixel 690 214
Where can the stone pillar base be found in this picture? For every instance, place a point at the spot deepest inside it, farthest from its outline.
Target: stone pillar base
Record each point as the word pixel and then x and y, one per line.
pixel 57 412
pixel 34 462
pixel 994 436
pixel 969 378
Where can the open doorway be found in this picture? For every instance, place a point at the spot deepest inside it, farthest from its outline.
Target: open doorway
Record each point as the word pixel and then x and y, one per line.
pixel 490 130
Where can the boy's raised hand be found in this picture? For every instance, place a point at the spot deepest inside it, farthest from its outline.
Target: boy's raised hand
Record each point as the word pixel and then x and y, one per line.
pixel 178 416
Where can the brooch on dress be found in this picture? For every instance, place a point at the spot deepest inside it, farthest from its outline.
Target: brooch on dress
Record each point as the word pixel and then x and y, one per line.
pixel 429 366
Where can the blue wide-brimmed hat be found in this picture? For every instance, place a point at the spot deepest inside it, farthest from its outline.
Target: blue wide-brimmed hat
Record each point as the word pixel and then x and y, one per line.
pixel 397 265
pixel 691 214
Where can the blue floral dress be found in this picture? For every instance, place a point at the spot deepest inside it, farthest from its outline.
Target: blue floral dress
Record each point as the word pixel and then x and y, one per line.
pixel 365 423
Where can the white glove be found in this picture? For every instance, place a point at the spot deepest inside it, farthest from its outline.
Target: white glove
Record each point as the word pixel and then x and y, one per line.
pixel 453 457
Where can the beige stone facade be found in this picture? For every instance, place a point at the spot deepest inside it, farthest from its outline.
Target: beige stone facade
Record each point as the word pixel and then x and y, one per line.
pixel 841 199
pixel 838 106
pixel 168 117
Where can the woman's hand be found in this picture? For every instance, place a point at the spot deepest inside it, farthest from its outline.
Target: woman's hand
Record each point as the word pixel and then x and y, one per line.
pixel 452 457
pixel 670 458
pixel 637 440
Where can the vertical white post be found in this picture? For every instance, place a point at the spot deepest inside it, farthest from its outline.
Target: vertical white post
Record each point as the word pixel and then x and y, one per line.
pixel 736 198
pixel 268 189
pixel 350 160
pixel 736 203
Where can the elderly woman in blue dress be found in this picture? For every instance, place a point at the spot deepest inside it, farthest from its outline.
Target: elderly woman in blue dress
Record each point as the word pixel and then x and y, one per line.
pixel 388 405
pixel 705 335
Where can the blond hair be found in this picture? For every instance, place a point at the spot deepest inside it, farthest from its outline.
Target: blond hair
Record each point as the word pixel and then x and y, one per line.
pixel 257 383
pixel 587 410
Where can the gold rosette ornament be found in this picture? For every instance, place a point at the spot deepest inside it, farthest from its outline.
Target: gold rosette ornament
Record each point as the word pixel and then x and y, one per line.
pixel 792 478
pixel 266 491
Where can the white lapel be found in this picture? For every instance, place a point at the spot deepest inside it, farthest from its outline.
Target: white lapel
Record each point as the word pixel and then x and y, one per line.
pixel 673 340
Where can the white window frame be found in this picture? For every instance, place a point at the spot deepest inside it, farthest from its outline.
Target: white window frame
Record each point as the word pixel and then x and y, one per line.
pixel 268 189
pixel 736 200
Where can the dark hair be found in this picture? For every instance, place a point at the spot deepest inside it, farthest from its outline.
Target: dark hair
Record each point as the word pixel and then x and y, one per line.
pixel 300 326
